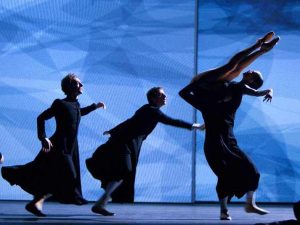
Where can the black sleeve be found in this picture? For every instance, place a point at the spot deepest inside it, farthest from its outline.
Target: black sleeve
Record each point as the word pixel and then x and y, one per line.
pixel 188 94
pixel 163 118
pixel 47 114
pixel 86 110
pixel 119 128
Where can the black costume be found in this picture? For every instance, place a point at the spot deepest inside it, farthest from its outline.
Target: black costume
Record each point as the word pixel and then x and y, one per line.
pixel 218 104
pixel 56 172
pixel 118 157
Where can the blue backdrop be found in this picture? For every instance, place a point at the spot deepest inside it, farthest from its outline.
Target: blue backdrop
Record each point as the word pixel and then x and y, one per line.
pixel 120 49
pixel 268 133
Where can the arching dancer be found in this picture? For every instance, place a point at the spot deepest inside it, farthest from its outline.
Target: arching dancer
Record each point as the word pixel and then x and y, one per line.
pixel 218 97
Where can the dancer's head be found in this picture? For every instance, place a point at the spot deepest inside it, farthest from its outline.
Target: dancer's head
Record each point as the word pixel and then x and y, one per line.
pixel 253 79
pixel 71 85
pixel 156 96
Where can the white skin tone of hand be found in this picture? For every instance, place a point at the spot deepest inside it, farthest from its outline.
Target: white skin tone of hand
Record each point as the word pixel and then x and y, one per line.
pixel 197 126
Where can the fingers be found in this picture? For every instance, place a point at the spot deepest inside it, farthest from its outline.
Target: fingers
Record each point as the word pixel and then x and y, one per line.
pixel 267 99
pixel 46 145
pixel 101 105
pixel 45 149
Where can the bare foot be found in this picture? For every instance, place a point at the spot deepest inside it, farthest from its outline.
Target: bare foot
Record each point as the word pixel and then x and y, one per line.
pixel 32 208
pixel 252 208
pixel 268 36
pixel 267 46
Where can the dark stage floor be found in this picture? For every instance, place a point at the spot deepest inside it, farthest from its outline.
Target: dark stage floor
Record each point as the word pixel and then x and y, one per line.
pixel 13 212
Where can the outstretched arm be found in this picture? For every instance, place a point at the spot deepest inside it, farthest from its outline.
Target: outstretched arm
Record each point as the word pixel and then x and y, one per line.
pixel 163 118
pixel 268 93
pixel 86 110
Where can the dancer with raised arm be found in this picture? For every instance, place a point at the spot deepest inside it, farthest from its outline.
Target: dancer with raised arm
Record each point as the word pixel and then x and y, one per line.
pixel 218 97
pixel 55 170
pixel 114 163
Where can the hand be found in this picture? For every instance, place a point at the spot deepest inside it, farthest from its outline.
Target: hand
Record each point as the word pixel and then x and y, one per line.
pixel 46 145
pixel 1 159
pixel 198 126
pixel 106 133
pixel 100 105
pixel 268 97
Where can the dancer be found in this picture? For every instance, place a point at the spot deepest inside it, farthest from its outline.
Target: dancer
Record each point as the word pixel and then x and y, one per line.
pixel 56 169
pixel 218 98
pixel 115 161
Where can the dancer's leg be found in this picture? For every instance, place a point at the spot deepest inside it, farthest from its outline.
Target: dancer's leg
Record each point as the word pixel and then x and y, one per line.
pixel 249 59
pixel 221 73
pixel 36 205
pixel 224 215
pixel 251 206
pixel 99 206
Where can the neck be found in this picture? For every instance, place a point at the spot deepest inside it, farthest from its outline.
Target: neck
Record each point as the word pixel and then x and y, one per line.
pixel 72 97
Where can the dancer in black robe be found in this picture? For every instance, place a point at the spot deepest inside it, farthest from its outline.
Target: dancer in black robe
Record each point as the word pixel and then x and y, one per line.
pixel 56 170
pixel 115 161
pixel 218 98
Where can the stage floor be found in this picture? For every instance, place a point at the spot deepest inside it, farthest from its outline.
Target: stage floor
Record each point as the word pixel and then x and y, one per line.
pixel 13 212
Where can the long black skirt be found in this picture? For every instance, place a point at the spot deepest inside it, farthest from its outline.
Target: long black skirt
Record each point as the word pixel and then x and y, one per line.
pixel 236 172
pixel 49 173
pixel 110 162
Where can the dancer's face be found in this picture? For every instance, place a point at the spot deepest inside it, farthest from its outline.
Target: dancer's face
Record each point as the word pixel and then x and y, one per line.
pixel 78 87
pixel 160 99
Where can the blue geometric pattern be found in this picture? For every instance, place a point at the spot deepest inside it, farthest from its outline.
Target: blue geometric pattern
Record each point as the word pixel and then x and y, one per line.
pixel 268 133
pixel 120 49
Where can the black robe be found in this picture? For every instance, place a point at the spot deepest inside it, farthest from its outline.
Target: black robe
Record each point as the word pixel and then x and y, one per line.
pixel 235 171
pixel 118 157
pixel 56 172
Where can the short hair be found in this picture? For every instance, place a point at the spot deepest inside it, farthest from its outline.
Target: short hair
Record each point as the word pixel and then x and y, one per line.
pixel 257 80
pixel 67 83
pixel 153 93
